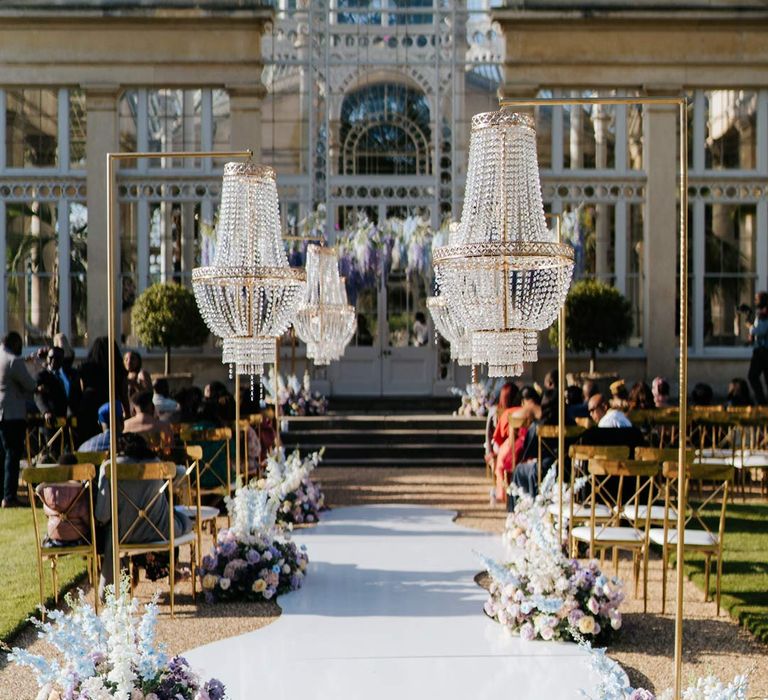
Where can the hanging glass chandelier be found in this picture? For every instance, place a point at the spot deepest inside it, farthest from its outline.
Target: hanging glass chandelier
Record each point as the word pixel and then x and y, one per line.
pixel 503 274
pixel 324 320
pixel 453 332
pixel 249 295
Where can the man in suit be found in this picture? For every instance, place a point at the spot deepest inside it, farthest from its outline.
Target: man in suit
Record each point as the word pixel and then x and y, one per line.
pixel 16 387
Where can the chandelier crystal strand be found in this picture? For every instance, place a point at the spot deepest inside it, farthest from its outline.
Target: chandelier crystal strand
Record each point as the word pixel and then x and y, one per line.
pixel 446 326
pixel 503 275
pixel 249 295
pixel 324 320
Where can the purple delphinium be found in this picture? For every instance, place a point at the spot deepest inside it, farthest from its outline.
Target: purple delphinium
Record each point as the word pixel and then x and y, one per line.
pixel 215 689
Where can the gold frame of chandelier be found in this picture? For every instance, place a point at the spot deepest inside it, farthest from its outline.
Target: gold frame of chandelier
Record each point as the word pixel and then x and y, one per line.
pixel 681 102
pixel 112 158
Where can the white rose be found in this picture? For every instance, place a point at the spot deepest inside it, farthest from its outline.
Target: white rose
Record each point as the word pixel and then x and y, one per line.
pixel 224 582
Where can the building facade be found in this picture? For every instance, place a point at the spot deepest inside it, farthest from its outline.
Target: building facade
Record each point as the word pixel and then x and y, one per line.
pixel 363 108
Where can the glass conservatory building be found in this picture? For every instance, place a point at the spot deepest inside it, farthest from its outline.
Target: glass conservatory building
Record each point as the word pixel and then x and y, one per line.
pixel 364 109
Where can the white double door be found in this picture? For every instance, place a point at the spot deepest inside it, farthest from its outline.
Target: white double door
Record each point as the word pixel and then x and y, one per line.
pixel 393 352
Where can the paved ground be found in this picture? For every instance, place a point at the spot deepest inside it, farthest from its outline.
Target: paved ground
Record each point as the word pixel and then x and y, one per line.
pixel 712 644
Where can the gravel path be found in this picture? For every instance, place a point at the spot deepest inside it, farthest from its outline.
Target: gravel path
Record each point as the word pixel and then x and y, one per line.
pixel 644 648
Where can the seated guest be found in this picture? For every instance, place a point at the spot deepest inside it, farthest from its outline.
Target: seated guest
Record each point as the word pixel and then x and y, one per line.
pixel 165 407
pixel 589 388
pixel 575 404
pixel 702 395
pixel 660 390
pixel 138 379
pixel 132 496
pixel 606 417
pixel 100 442
pixel 640 397
pixel 526 472
pixel 738 393
pixel 190 399
pixel 508 397
pixel 619 395
pixel 529 410
pixel 144 419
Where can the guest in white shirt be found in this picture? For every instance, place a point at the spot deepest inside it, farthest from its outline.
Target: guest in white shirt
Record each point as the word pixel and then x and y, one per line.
pixel 606 417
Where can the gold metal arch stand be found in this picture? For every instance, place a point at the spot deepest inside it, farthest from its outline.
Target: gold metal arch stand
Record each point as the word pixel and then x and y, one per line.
pixel 112 158
pixel 681 102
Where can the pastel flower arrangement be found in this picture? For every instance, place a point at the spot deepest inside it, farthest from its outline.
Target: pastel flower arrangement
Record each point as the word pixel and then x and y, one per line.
pixel 288 480
pixel 295 397
pixel 541 593
pixel 250 560
pixel 614 684
pixel 113 654
pixel 477 398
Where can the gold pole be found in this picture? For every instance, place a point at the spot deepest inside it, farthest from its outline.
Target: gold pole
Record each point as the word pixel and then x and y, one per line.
pixel 682 104
pixel 111 279
pixel 238 483
pixel 275 389
pixel 682 496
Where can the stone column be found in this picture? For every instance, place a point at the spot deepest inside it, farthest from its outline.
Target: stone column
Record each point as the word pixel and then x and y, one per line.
pixel 245 117
pixel 601 121
pixel 101 107
pixel 660 240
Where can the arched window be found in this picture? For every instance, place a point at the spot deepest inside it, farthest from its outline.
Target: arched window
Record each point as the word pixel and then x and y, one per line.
pixel 385 131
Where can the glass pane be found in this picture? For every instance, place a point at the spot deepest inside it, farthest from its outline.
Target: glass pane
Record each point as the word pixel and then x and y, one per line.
pixel 129 269
pixel 590 229
pixel 31 128
pixel 32 271
pixel 174 124
pixel 544 132
pixel 731 138
pixel 729 280
pixel 221 123
pixel 406 310
pixel 589 137
pixel 78 273
pixel 356 12
pixel 367 331
pixel 404 18
pixel 128 116
pixel 634 281
pixel 77 128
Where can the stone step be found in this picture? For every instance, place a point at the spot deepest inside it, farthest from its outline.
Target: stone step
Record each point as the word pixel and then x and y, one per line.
pixel 383 437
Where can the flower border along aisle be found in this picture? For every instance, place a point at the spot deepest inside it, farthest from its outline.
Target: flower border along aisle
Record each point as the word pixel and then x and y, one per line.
pixel 250 560
pixel 288 480
pixel 541 593
pixel 111 655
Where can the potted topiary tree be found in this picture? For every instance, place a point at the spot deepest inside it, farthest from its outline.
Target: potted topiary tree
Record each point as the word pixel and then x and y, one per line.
pixel 598 318
pixel 166 315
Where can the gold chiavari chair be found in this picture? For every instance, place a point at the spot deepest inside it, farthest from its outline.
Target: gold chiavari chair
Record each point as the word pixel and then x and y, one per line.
pixel 78 480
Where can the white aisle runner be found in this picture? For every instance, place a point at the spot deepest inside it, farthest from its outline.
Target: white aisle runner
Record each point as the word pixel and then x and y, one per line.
pixel 390 610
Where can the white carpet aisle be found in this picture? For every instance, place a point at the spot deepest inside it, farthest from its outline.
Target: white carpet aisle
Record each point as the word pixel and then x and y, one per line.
pixel 390 610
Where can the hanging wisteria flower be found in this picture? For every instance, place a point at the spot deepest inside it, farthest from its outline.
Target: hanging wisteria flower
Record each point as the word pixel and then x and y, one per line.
pixel 288 480
pixel 114 654
pixel 541 593
pixel 251 561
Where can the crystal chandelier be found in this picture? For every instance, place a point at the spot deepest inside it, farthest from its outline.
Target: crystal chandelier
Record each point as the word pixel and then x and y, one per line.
pixel 453 332
pixel 249 295
pixel 324 319
pixel 503 274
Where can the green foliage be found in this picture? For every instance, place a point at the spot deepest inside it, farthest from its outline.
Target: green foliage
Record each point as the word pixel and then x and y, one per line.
pixel 166 315
pixel 18 575
pixel 598 318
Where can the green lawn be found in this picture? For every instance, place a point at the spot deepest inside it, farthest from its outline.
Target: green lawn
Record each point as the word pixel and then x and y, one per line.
pixel 745 567
pixel 19 592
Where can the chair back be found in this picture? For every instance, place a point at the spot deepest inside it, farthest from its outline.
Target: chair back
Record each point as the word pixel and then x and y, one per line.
pixel 635 488
pixel 546 434
pixel 717 480
pixel 141 513
pixel 216 462
pixel 662 454
pixel 91 457
pixel 41 478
